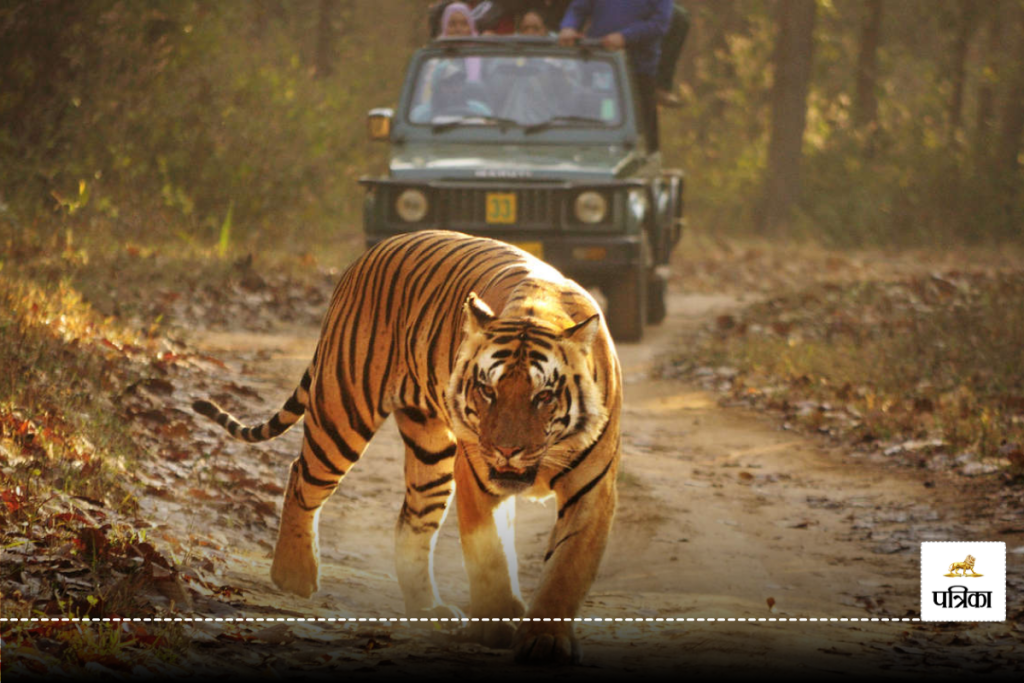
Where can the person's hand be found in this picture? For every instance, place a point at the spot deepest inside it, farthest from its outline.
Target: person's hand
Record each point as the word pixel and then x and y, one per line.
pixel 613 41
pixel 568 36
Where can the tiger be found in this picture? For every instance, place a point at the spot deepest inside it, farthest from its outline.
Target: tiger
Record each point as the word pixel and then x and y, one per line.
pixel 503 379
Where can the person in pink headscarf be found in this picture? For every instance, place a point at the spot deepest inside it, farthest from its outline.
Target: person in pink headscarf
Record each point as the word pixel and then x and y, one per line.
pixel 451 85
pixel 457 21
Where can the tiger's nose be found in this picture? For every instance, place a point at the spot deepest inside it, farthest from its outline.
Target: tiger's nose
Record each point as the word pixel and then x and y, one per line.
pixel 509 453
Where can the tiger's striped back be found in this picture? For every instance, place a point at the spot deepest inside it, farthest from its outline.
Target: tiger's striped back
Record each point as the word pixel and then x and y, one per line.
pixel 405 289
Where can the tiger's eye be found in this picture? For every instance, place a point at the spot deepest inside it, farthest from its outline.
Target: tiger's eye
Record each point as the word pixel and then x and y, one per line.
pixel 543 397
pixel 487 391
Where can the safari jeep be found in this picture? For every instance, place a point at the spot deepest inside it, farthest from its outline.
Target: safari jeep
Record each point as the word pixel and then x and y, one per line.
pixel 538 145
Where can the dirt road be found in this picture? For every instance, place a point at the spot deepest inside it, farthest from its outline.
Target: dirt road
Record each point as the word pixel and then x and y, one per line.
pixel 722 515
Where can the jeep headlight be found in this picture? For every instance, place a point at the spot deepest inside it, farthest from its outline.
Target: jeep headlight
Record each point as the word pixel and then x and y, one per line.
pixel 411 206
pixel 591 207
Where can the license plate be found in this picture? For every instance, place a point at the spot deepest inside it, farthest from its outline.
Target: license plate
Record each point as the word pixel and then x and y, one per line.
pixel 501 207
pixel 535 248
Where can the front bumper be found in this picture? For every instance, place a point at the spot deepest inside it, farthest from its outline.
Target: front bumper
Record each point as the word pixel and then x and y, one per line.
pixel 588 259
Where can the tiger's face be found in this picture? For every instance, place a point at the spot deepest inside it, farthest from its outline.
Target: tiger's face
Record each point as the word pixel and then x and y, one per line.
pixel 523 395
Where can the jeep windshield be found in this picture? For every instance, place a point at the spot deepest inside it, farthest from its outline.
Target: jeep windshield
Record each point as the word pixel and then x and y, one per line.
pixel 513 91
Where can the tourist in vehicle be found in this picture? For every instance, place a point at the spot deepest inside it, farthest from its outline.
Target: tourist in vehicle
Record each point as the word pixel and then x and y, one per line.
pixel 637 26
pixel 531 23
pixel 551 11
pixel 457 21
pixel 452 86
pixel 495 18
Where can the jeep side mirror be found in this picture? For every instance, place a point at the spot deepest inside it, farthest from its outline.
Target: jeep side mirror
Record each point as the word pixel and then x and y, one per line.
pixel 378 124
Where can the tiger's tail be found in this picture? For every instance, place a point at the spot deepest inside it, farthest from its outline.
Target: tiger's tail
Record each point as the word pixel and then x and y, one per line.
pixel 283 420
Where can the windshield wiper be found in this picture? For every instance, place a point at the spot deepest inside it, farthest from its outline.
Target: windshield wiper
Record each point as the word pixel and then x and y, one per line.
pixel 544 125
pixel 453 123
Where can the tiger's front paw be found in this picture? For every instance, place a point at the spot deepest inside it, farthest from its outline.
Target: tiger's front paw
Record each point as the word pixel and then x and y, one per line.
pixel 296 568
pixel 495 633
pixel 546 642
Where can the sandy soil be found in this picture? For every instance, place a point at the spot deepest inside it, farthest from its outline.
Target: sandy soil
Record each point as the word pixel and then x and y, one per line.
pixel 722 515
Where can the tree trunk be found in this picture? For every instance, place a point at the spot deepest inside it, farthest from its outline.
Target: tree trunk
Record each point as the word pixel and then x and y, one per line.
pixel 985 124
pixel 958 68
pixel 793 53
pixel 1012 120
pixel 866 108
pixel 326 37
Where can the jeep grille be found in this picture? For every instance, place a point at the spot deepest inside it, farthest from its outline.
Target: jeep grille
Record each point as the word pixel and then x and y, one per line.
pixel 465 208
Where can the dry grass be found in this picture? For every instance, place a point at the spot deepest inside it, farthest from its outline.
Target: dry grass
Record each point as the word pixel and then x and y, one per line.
pixel 916 356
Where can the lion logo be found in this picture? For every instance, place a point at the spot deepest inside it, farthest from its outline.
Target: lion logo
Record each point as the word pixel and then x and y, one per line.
pixel 961 568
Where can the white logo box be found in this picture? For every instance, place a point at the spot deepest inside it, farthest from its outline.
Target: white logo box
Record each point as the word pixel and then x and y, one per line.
pixel 968 597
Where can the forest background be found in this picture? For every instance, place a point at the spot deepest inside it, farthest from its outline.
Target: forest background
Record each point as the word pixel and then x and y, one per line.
pixel 201 123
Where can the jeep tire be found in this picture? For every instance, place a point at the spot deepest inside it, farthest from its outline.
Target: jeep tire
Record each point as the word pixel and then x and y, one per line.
pixel 657 308
pixel 627 304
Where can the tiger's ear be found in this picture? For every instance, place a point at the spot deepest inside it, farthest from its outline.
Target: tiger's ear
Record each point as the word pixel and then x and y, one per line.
pixel 585 332
pixel 478 314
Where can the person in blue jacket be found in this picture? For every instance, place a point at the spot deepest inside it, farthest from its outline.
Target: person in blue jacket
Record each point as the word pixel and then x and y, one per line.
pixel 637 26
